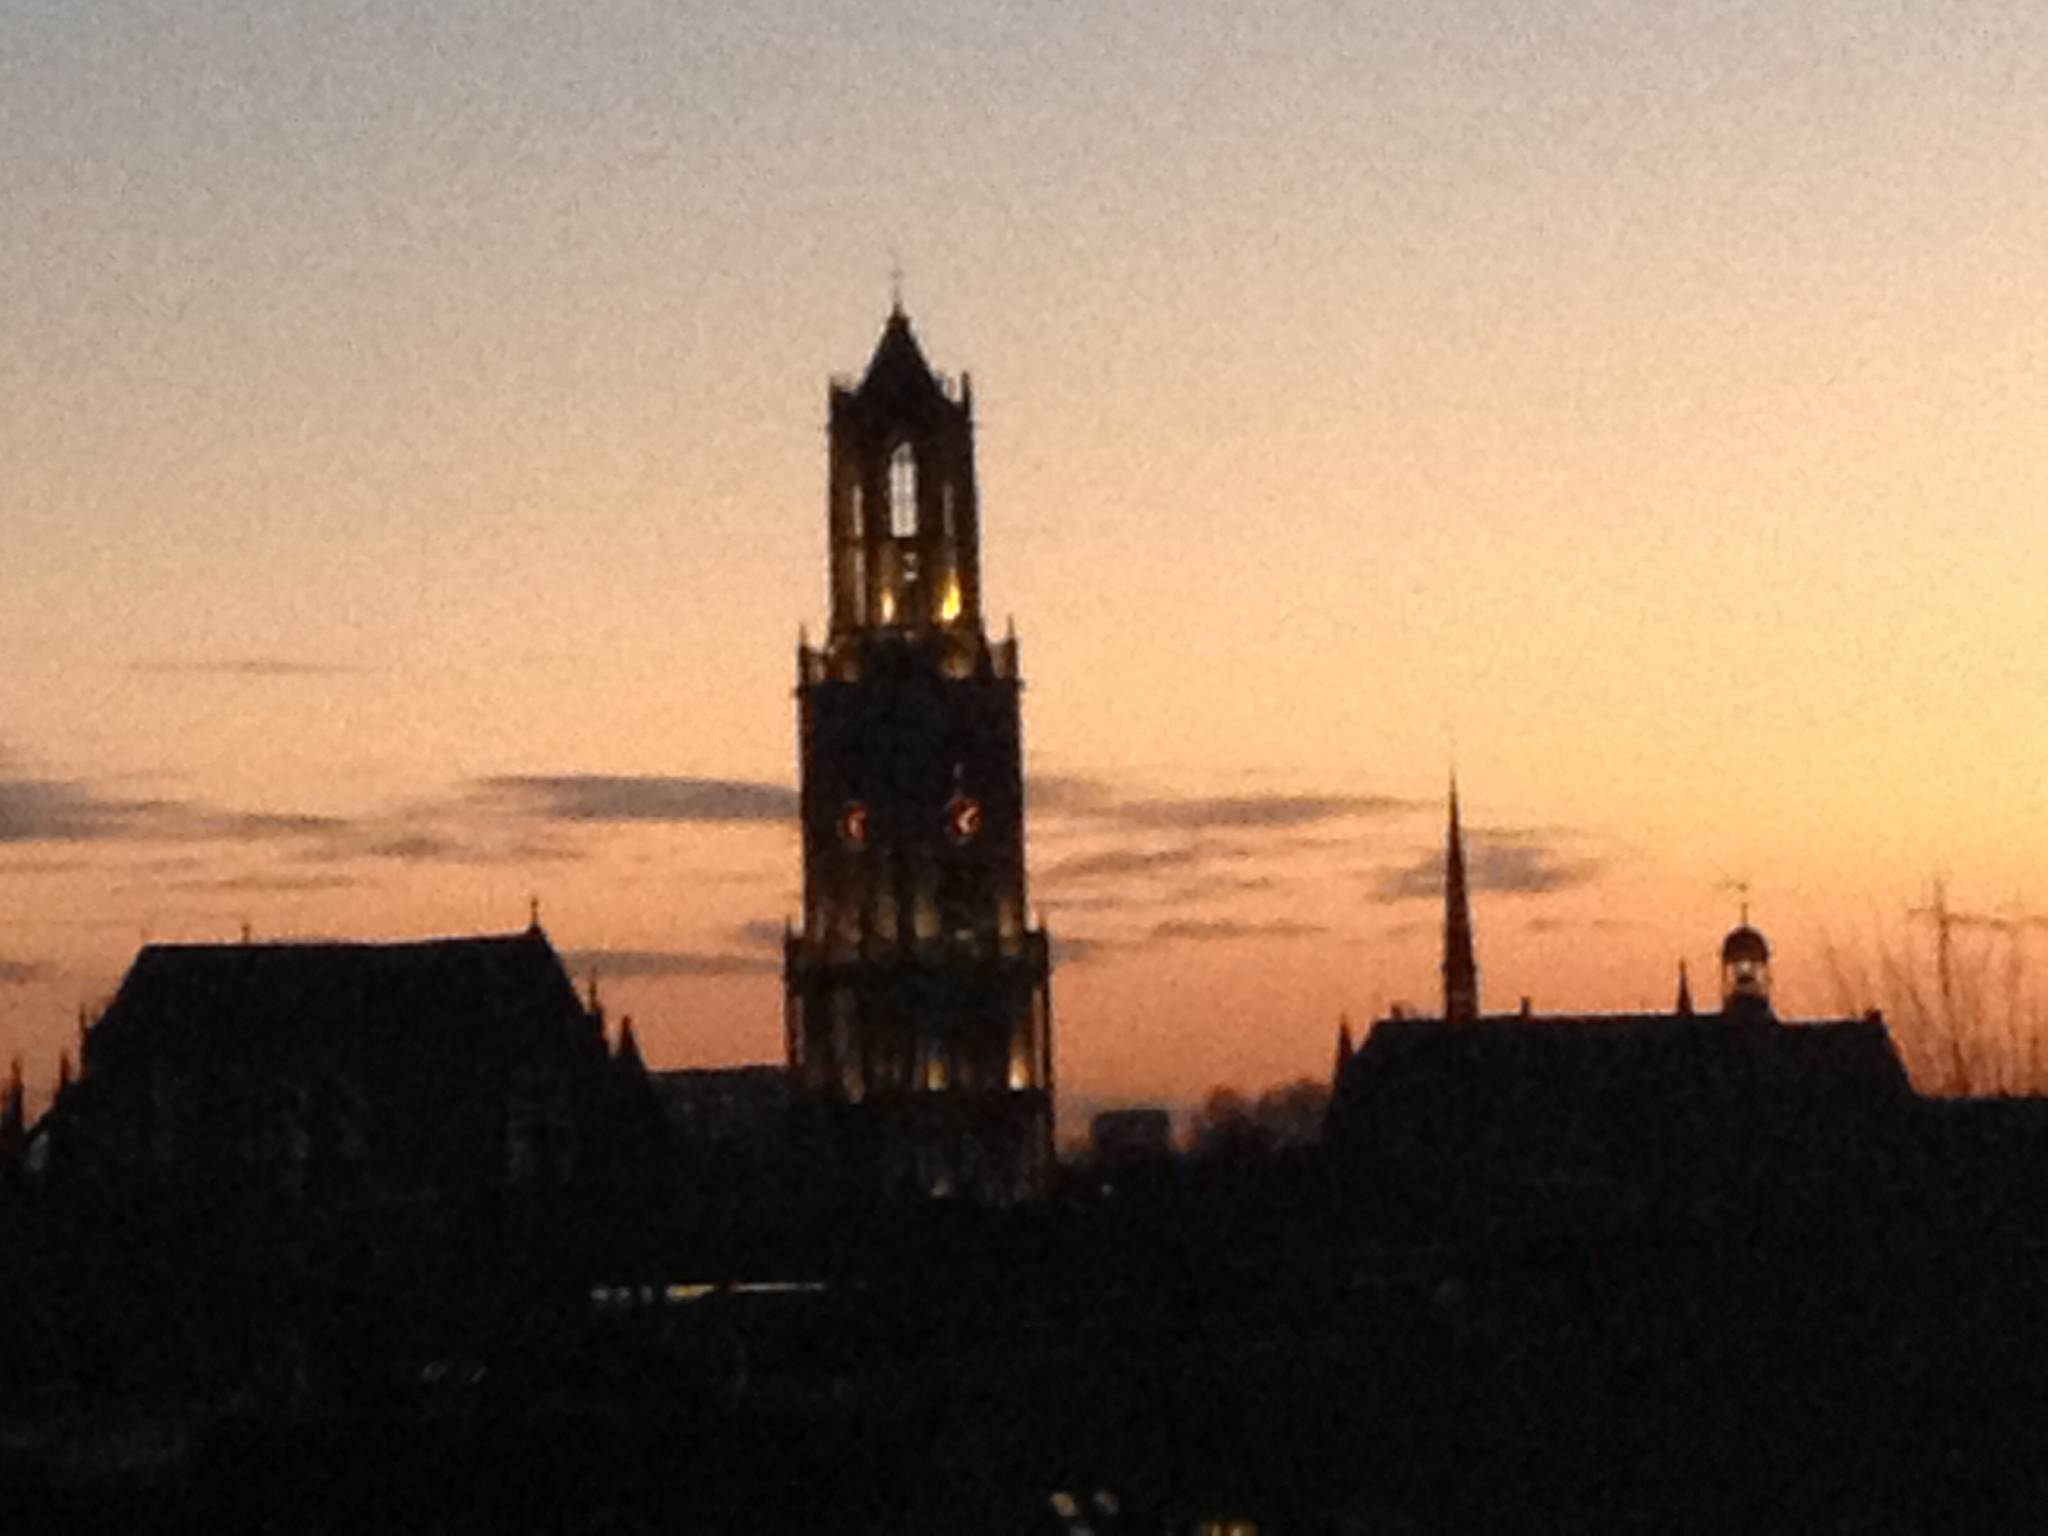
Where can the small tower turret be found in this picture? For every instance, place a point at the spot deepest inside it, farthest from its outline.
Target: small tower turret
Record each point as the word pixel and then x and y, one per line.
pixel 1745 969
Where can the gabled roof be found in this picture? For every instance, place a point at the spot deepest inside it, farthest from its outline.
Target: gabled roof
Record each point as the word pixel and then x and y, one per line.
pixel 201 1003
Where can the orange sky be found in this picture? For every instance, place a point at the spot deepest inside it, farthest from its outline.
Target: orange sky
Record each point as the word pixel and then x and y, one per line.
pixel 411 482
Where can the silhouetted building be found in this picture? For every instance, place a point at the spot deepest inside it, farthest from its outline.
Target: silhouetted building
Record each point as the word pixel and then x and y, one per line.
pixel 917 1004
pixel 1681 1106
pixel 747 1104
pixel 13 1128
pixel 449 1069
pixel 1130 1133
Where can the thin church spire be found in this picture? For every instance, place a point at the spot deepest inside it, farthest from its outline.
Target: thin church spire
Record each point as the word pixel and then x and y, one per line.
pixel 1461 970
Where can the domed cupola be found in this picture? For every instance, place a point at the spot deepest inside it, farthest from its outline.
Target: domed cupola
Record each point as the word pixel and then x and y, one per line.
pixel 1745 968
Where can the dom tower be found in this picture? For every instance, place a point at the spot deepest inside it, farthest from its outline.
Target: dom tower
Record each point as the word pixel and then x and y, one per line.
pixel 916 999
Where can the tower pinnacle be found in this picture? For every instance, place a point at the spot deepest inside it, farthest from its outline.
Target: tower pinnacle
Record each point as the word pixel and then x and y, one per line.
pixel 1461 970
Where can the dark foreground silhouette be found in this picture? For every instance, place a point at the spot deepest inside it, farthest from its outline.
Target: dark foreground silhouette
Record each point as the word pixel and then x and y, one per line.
pixel 1247 1340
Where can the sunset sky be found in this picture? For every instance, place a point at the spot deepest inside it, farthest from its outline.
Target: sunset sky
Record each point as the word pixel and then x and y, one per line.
pixel 412 482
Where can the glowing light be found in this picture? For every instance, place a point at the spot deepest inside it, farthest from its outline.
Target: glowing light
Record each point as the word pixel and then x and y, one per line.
pixel 949 604
pixel 1020 1062
pixel 888 605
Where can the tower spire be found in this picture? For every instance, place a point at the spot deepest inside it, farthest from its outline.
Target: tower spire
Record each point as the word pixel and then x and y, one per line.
pixel 1461 970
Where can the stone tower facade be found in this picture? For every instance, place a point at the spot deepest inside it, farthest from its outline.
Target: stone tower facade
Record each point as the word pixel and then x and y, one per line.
pixel 916 998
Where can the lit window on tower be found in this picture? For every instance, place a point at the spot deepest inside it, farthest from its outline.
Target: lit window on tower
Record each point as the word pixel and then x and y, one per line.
pixel 903 492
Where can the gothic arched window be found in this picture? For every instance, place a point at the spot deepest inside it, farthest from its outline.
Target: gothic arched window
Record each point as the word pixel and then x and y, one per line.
pixel 902 492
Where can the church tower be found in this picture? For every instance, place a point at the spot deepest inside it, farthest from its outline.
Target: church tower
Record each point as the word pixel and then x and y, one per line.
pixel 916 1000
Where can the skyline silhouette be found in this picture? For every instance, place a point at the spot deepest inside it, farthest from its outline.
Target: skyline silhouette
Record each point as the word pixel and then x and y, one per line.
pixel 411 482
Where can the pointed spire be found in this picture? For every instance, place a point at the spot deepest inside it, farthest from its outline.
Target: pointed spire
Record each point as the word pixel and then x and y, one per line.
pixel 1683 1008
pixel 1346 1048
pixel 898 361
pixel 1461 970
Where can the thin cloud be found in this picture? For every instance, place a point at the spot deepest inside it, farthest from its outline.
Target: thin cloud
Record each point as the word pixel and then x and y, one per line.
pixel 179 821
pixel 1257 811
pixel 446 832
pixel 1063 793
pixel 1075 949
pixel 1214 929
pixel 410 846
pixel 639 963
pixel 245 666
pixel 760 933
pixel 1516 869
pixel 1081 795
pixel 1586 925
pixel 596 797
pixel 64 811
pixel 1123 863
pixel 45 866
pixel 1165 850
pixel 73 811
pixel 1222 883
pixel 19 973
pixel 263 884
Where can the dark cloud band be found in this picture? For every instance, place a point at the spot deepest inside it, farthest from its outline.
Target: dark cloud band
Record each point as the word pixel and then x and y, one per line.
pixel 617 963
pixel 1517 868
pixel 611 797
pixel 1209 930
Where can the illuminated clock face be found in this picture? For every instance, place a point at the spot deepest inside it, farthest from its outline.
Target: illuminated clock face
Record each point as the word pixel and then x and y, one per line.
pixel 853 825
pixel 963 818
